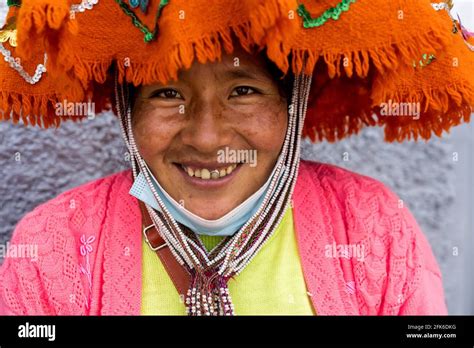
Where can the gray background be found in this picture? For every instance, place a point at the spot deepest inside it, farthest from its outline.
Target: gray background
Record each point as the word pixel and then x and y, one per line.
pixel 36 165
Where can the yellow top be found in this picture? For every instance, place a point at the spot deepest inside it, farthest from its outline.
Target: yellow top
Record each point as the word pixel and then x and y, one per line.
pixel 271 284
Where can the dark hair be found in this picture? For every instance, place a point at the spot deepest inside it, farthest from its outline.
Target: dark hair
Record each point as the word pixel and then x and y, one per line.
pixel 285 82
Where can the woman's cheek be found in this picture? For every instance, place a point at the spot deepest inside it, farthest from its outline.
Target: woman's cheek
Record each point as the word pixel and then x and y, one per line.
pixel 153 134
pixel 265 127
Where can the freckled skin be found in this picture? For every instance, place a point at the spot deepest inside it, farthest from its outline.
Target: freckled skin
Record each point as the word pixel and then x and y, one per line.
pixel 215 117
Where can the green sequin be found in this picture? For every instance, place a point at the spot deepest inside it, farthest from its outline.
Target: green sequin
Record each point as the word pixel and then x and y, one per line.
pixel 332 13
pixel 149 35
pixel 424 61
pixel 16 3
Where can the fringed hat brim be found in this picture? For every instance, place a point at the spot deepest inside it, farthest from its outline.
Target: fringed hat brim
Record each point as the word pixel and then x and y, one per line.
pixel 359 53
pixel 442 90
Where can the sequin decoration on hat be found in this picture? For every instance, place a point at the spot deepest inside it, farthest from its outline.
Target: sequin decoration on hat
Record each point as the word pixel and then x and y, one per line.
pixel 8 33
pixel 143 4
pixel 150 34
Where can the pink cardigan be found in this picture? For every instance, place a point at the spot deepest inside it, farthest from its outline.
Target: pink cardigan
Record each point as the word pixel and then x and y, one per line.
pixel 89 250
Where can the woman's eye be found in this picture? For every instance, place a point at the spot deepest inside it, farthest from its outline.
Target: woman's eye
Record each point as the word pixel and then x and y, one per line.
pixel 243 90
pixel 167 94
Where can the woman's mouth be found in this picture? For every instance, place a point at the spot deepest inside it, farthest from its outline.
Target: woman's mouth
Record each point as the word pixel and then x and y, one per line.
pixel 210 176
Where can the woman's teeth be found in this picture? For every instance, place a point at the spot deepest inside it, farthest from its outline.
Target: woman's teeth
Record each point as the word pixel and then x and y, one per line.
pixel 207 174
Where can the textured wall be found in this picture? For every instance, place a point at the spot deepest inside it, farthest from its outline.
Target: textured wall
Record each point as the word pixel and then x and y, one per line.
pixel 37 165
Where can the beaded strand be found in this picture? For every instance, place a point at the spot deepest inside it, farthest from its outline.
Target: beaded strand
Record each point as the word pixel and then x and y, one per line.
pixel 306 82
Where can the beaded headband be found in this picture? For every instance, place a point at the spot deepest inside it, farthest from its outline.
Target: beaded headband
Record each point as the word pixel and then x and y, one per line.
pixel 366 57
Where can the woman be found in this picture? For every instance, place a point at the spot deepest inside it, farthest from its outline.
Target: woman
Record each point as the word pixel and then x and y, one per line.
pixel 219 216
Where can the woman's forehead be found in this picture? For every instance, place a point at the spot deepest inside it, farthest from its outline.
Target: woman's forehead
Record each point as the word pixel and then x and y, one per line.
pixel 237 65
pixel 230 67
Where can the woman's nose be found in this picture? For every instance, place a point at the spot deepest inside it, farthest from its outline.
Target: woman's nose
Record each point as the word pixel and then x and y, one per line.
pixel 207 130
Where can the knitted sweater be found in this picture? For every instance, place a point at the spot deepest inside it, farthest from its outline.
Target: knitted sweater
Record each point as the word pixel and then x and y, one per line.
pixel 90 250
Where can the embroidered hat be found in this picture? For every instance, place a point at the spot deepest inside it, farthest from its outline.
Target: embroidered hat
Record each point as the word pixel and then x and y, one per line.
pixel 367 58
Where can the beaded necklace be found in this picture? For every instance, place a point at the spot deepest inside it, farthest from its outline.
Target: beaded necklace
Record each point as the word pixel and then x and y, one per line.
pixel 208 293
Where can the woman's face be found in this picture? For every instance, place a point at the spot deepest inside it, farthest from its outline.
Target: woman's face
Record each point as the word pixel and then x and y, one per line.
pixel 193 133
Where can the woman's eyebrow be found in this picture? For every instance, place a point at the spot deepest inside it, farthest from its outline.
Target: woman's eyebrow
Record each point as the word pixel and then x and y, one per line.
pixel 242 73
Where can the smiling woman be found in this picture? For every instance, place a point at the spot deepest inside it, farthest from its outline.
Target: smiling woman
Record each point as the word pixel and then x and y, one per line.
pixel 180 127
pixel 217 214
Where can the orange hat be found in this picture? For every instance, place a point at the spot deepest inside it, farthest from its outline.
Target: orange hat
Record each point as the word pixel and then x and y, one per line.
pixel 27 91
pixel 360 54
pixel 370 64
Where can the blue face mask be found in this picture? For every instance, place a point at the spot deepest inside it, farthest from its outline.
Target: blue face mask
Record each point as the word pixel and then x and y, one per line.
pixel 224 226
